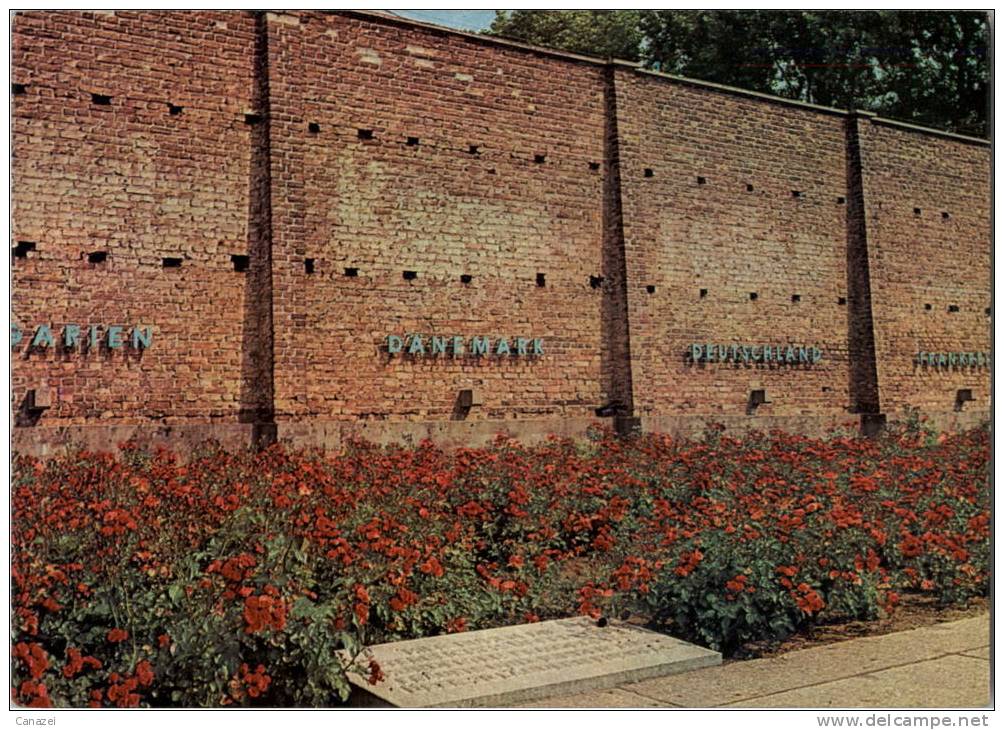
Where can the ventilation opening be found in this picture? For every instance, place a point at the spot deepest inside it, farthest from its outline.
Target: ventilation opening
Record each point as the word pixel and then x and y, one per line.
pixel 351 271
pixel 539 159
pixel 174 110
pixel 364 134
pixel 308 266
pixel 410 275
pixel 796 298
pixel 171 262
pixel 796 193
pixel 313 127
pixel 987 311
pixel 927 307
pixel 252 118
pixel 22 248
pixel 703 293
pixel 594 166
pixel 474 150
pixel 754 296
pixel 412 142
pixel 841 200
pixel 963 396
pixel 945 215
pixel 101 99
pixel 702 180
pixel 466 278
pixel 18 89
pixel 650 289
pixel 953 307
pixel 916 211
pixel 595 281
pixel 97 257
pixel 841 301
pixel 541 280
pixel 749 188
pixel 649 172
pixel 756 399
pixel 241 262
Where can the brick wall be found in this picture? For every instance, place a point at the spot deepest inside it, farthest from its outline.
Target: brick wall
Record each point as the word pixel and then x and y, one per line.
pixel 381 206
pixel 735 223
pixel 336 151
pixel 130 179
pixel 928 219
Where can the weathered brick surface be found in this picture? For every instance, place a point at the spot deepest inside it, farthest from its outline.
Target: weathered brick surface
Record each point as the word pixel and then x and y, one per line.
pixel 688 155
pixel 266 160
pixel 921 259
pixel 383 207
pixel 132 180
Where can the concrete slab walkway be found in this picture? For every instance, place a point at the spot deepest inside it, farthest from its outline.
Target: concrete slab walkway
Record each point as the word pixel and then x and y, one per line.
pixel 944 665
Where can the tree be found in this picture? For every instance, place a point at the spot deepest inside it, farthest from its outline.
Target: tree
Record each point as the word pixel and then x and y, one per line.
pixel 929 68
pixel 607 34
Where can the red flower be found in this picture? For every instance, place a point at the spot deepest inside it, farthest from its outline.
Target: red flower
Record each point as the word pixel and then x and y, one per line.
pixel 117 635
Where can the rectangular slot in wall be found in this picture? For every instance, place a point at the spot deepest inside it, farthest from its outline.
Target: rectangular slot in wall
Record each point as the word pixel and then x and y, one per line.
pixel 474 149
pixel 252 119
pixel 171 262
pixel 351 271
pixel 101 99
pixel 702 180
pixel 594 166
pixel 364 134
pixel 540 159
pixel 953 308
pixel 796 298
pixel 703 293
pixel 841 301
pixel 241 262
pixel 412 142
pixel 97 257
pixel 649 172
pixel 410 275
pixel 174 110
pixel 541 279
pixel 595 281
pixel 308 266
pixel 313 127
pixel 17 89
pixel 22 248
pixel 754 296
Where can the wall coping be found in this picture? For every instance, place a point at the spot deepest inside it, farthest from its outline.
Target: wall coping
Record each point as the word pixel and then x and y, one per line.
pixel 384 17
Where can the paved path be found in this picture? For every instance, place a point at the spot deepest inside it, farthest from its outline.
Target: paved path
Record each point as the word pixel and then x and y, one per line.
pixel 944 665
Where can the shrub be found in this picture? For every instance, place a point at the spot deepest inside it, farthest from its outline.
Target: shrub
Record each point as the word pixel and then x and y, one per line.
pixel 256 579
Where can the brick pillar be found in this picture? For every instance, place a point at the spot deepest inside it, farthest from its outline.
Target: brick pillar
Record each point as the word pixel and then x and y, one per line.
pixel 257 375
pixel 616 356
pixel 864 387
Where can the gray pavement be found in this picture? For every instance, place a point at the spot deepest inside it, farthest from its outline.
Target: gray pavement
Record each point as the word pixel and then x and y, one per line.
pixel 943 665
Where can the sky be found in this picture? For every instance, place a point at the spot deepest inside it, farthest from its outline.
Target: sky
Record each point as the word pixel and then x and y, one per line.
pixel 461 19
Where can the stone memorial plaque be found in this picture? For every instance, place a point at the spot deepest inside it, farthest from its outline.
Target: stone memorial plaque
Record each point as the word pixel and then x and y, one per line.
pixel 498 667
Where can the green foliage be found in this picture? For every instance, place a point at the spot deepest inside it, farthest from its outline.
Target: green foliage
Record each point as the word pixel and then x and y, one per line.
pixel 930 68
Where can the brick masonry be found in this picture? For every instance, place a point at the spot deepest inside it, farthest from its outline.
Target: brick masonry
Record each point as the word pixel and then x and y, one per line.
pixel 335 151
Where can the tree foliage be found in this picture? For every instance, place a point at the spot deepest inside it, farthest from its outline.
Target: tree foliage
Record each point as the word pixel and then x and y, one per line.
pixel 930 68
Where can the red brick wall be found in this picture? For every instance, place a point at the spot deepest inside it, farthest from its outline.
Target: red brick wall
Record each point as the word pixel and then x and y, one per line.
pixel 132 180
pixel 241 171
pixel 683 236
pixel 919 259
pixel 383 207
